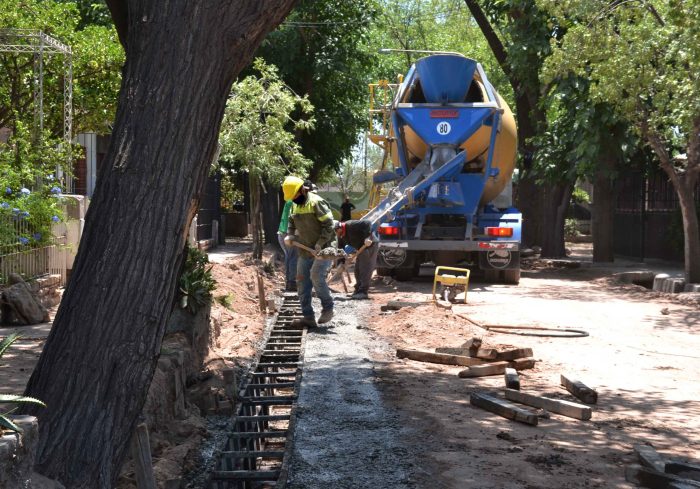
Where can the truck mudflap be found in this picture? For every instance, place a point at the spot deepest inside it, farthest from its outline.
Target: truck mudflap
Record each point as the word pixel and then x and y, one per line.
pixel 499 260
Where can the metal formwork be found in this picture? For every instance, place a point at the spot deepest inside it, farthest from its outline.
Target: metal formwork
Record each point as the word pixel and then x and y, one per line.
pixel 257 453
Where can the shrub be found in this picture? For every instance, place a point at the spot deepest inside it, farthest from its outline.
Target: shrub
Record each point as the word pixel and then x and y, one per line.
pixel 571 229
pixel 196 282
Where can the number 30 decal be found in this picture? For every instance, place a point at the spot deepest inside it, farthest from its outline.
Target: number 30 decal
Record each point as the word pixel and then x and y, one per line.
pixel 443 128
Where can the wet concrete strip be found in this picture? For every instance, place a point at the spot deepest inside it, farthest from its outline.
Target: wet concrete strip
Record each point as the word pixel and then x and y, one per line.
pixel 346 437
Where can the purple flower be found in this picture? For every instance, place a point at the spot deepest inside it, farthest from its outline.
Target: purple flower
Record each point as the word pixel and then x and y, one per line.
pixel 5 205
pixel 37 236
pixel 8 191
pixel 55 218
pixel 24 191
pixel 24 214
pixel 23 240
pixel 15 211
pixel 56 190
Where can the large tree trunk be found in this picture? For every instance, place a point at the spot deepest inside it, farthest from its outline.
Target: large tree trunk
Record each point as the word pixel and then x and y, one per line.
pixel 691 231
pixel 99 359
pixel 603 212
pixel 559 195
pixel 256 218
pixel 271 212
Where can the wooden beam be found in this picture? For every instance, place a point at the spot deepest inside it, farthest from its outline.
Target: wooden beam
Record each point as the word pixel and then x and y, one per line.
pixel 650 458
pixel 566 408
pixel 656 480
pixel 579 390
pixel 503 408
pixel 483 353
pixel 681 469
pixel 141 453
pixel 512 379
pixel 495 368
pixel 509 355
pixel 442 358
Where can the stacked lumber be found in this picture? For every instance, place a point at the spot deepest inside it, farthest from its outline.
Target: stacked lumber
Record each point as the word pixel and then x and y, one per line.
pixel 656 471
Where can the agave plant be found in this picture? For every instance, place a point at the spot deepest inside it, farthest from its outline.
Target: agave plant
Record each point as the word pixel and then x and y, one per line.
pixel 5 422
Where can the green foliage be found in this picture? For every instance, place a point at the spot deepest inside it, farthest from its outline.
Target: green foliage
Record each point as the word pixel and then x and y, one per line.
pixel 321 51
pixel 5 422
pixel 97 59
pixel 637 56
pixel 225 300
pixel 196 281
pixel 30 192
pixel 257 132
pixel 580 196
pixel 571 229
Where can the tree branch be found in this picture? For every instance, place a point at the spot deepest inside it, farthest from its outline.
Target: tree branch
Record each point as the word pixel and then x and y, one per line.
pixel 499 51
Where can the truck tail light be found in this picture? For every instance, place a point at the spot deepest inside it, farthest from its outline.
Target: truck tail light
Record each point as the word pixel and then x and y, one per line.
pixel 500 232
pixel 388 231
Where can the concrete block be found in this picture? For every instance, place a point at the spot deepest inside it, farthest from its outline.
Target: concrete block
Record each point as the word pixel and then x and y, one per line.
pixel 659 281
pixel 691 288
pixel 644 278
pixel 675 285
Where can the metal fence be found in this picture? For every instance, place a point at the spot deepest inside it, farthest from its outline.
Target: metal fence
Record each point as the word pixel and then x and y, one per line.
pixel 29 260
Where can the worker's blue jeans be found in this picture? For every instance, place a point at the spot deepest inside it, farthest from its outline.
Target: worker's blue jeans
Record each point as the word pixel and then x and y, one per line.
pixel 290 262
pixel 312 273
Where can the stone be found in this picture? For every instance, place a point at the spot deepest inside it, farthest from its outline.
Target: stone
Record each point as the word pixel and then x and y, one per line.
pixel 644 278
pixel 659 281
pixel 691 288
pixel 21 307
pixel 17 452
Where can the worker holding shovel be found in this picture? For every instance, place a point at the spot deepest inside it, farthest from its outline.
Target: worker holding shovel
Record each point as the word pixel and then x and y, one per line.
pixel 358 234
pixel 311 227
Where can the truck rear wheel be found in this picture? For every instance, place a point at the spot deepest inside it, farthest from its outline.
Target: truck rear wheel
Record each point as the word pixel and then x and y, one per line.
pixel 511 276
pixel 403 274
pixel 384 272
pixel 491 275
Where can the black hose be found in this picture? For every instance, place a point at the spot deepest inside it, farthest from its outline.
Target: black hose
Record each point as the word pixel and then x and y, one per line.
pixel 568 332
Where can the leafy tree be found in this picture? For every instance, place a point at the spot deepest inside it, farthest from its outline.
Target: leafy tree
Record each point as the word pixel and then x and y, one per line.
pixel 321 52
pixel 258 136
pixel 181 60
pixel 638 56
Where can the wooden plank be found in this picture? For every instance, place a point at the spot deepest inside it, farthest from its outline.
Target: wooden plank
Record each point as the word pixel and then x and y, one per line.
pixel 646 477
pixel 442 358
pixel 681 469
pixel 566 408
pixel 509 355
pixel 483 353
pixel 503 408
pixel 512 379
pixel 522 363
pixel 141 453
pixel 472 345
pixel 650 458
pixel 579 390
pixel 495 368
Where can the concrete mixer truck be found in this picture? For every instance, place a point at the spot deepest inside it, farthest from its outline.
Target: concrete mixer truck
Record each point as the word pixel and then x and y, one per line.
pixel 449 143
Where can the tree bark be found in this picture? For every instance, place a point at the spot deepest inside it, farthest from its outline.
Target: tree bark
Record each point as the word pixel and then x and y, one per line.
pixel 271 212
pixel 603 212
pixel 256 218
pixel 559 195
pixel 98 362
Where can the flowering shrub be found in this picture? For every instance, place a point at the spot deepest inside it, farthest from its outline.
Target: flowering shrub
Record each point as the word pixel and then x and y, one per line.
pixel 30 192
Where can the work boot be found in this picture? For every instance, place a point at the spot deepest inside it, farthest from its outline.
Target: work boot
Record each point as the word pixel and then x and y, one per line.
pixel 306 321
pixel 291 287
pixel 326 315
pixel 359 296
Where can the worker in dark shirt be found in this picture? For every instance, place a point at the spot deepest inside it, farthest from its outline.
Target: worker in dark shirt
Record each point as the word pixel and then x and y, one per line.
pixel 358 234
pixel 346 209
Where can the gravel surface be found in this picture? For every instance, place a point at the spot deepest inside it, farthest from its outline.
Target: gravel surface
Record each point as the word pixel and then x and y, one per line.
pixel 346 437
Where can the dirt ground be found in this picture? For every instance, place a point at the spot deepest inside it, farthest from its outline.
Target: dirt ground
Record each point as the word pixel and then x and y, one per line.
pixel 641 356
